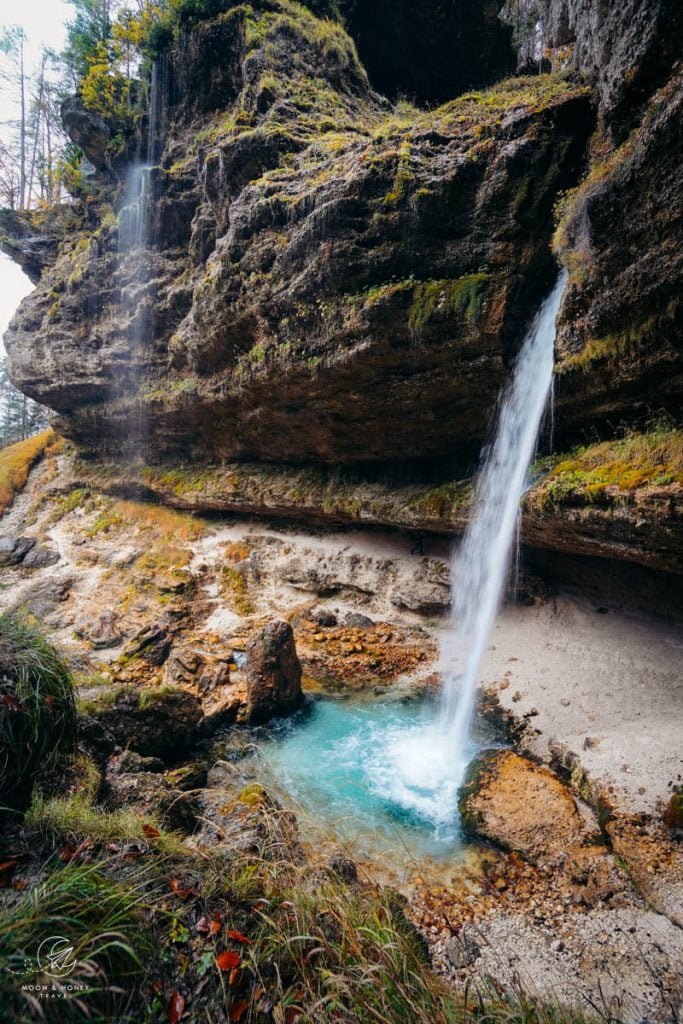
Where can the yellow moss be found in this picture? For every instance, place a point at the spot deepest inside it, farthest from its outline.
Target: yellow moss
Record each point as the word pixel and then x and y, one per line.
pixel 236 590
pixel 237 551
pixel 163 522
pixel 654 459
pixel 16 462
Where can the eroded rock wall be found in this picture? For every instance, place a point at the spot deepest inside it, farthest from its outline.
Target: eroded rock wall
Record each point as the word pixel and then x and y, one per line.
pixel 330 279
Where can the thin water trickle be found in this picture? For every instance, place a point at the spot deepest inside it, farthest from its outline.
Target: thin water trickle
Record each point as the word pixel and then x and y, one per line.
pixel 134 242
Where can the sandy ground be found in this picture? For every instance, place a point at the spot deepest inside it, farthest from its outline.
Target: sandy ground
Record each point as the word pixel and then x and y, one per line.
pixel 607 686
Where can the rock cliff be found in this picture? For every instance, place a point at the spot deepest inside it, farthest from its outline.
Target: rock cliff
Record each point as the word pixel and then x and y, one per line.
pixel 329 279
pixel 334 280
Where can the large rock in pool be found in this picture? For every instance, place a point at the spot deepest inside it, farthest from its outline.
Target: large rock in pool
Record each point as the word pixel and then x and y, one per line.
pixel 273 673
pixel 520 806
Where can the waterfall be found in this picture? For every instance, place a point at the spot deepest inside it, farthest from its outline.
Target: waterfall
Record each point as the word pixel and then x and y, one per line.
pixel 158 110
pixel 135 220
pixel 418 770
pixel 481 562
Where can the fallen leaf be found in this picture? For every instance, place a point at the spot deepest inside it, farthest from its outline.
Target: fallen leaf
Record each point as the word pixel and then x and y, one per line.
pixel 238 1010
pixel 238 937
pixel 202 926
pixel 227 960
pixel 181 890
pixel 11 702
pixel 150 831
pixel 234 978
pixel 176 1007
pixel 214 927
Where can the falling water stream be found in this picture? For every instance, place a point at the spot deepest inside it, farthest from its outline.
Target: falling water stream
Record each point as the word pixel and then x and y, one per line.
pixel 404 767
pixel 134 241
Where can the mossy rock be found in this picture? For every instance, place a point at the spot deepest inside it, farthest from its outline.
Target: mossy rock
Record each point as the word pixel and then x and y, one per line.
pixel 155 722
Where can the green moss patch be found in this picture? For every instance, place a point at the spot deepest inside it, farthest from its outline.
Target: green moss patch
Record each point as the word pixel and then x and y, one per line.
pixel 616 468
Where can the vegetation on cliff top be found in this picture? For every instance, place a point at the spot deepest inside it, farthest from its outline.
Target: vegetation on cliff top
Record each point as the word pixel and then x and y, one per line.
pixel 613 468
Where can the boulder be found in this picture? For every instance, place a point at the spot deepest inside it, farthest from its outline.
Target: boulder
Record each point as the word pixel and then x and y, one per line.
pixel 521 806
pixel 100 631
pixel 152 644
pixel 40 557
pixel 247 821
pixel 151 793
pixel 273 673
pixel 131 762
pixel 46 595
pixel 160 722
pixel 14 549
pixel 358 621
pixel 182 666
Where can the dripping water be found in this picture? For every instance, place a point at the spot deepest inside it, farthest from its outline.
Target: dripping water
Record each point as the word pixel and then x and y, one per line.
pixel 135 221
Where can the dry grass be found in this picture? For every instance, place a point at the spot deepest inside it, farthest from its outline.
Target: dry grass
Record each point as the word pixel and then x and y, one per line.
pixel 161 523
pixel 16 462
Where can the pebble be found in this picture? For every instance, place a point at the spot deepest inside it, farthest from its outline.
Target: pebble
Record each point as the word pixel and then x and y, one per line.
pixel 557 946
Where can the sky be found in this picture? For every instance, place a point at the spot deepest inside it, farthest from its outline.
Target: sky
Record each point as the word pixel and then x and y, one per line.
pixel 43 22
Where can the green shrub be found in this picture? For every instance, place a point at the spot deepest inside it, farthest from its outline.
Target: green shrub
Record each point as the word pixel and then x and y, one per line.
pixel 37 710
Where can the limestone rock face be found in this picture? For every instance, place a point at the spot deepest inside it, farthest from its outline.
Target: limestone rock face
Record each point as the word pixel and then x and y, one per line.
pixel 87 130
pixel 32 247
pixel 273 673
pixel 327 280
pixel 619 333
pixel 519 805
pixel 629 47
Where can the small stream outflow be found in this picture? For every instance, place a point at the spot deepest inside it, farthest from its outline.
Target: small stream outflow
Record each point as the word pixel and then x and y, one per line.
pixel 480 563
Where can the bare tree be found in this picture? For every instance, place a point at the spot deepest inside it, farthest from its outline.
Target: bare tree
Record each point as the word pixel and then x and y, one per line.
pixel 13 75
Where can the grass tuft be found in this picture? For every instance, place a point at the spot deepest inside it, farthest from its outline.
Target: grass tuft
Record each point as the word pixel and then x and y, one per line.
pixel 100 920
pixel 37 709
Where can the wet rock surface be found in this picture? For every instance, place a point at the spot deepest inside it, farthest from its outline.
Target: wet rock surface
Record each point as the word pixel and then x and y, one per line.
pixel 521 806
